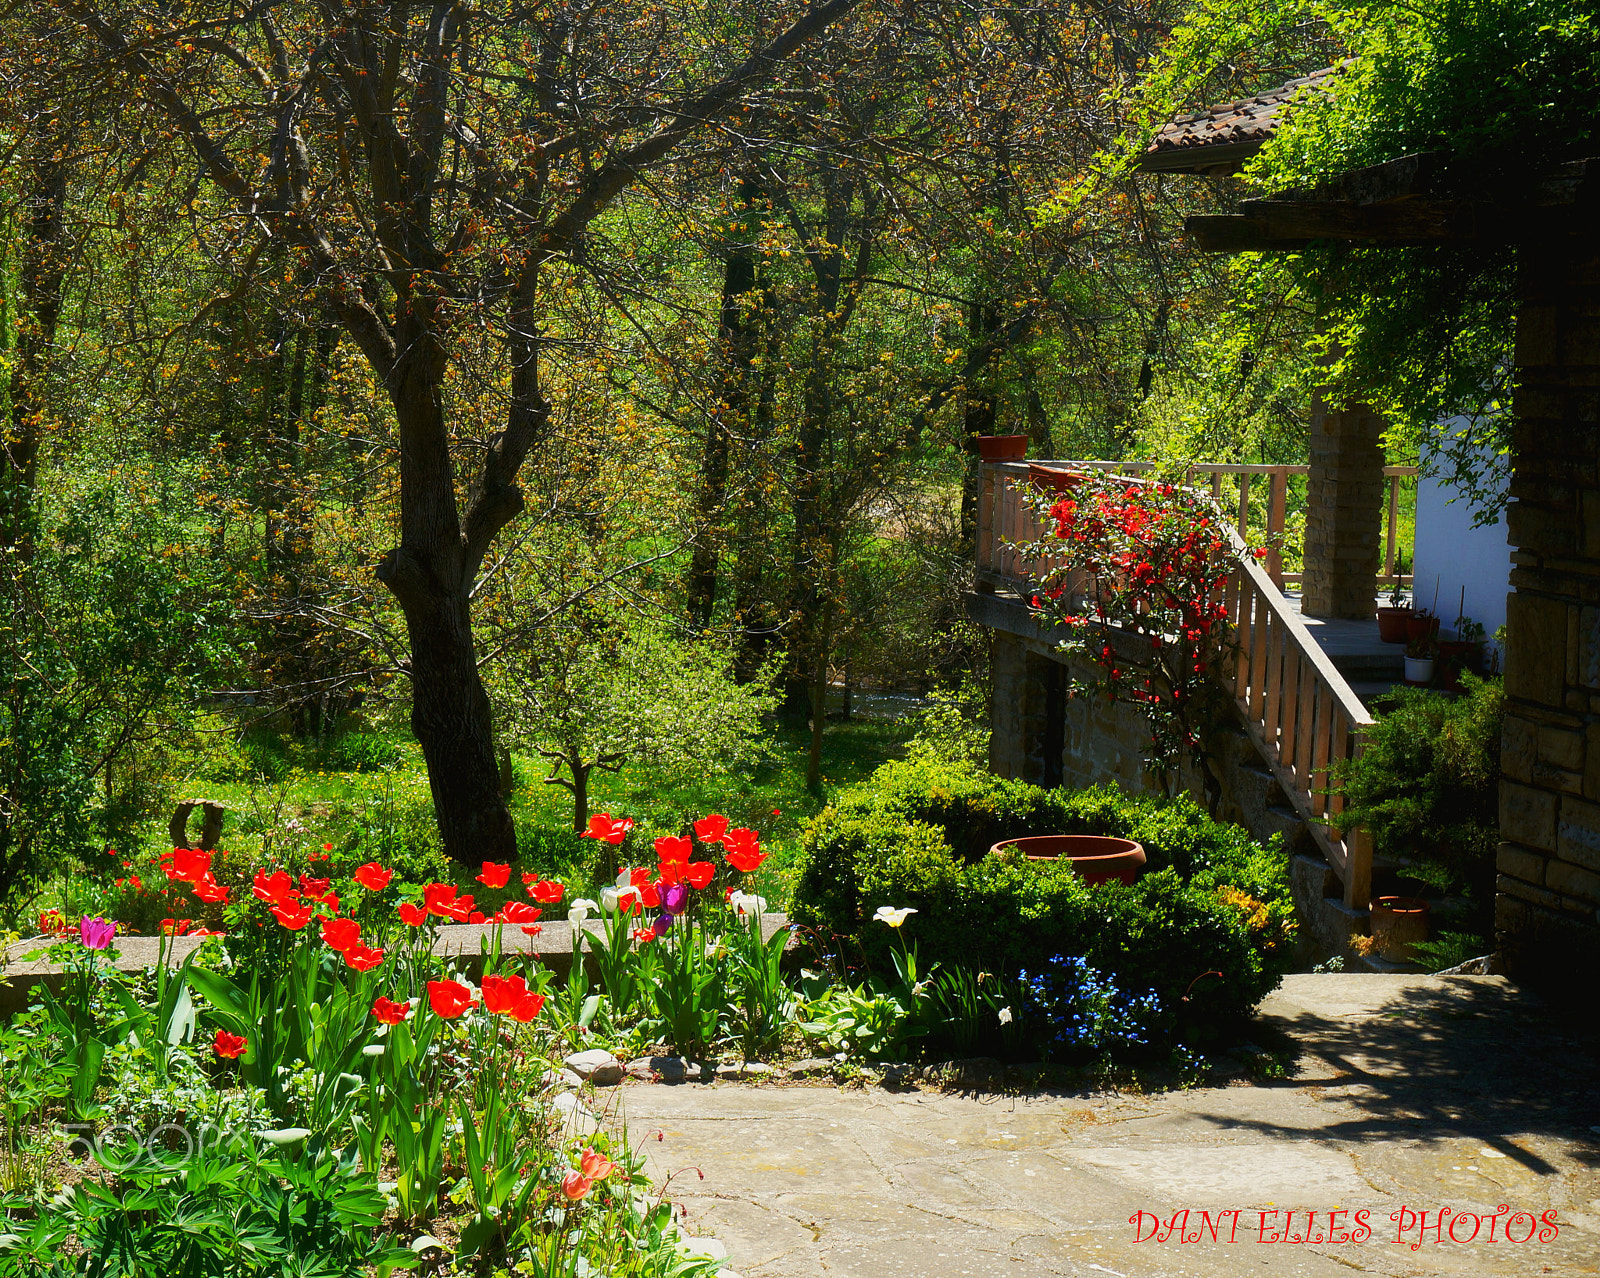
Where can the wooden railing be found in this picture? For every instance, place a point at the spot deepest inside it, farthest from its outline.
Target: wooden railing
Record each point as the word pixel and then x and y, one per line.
pixel 1297 708
pixel 1243 479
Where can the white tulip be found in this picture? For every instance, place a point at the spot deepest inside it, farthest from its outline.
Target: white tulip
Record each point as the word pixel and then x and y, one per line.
pixel 578 915
pixel 748 903
pixel 1005 1016
pixel 893 917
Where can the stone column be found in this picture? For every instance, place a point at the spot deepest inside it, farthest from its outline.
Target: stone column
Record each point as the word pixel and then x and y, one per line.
pixel 1548 888
pixel 1344 512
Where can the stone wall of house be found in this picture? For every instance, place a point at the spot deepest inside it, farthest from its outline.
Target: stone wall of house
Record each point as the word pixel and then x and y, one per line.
pixel 1101 741
pixel 1548 891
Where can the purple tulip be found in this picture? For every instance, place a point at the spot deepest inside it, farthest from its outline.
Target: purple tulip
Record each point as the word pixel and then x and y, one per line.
pixel 96 933
pixel 663 925
pixel 675 898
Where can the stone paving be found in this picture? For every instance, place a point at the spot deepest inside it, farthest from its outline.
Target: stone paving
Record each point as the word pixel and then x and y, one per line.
pixel 1410 1095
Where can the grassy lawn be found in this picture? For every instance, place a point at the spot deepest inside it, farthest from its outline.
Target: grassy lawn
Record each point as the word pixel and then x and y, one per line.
pixel 281 794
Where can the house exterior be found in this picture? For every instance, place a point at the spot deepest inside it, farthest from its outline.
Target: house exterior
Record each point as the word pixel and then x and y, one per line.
pixel 1547 908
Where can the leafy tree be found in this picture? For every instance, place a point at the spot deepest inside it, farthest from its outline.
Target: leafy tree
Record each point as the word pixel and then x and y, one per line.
pixel 597 695
pixel 434 174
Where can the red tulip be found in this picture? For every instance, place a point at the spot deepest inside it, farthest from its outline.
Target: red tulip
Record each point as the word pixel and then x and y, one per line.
pixel 229 1046
pixel 494 875
pixel 742 850
pixel 698 874
pixel 575 1186
pixel 291 917
pixel 449 999
pixel 601 826
pixel 276 890
pixel 711 829
pixel 502 993
pixel 390 1013
pixel 521 914
pixel 314 888
pixel 373 876
pixel 412 915
pixel 341 934
pixel 477 916
pixel 208 889
pixel 527 1007
pixel 185 864
pixel 363 959
pixel 441 899
pixel 547 892
pixel 595 1165
pixel 673 847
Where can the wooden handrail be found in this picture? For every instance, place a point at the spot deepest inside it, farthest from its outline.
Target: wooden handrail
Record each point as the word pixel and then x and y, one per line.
pixel 1298 710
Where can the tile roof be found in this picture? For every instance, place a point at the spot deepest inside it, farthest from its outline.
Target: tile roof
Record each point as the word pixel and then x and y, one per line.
pixel 1222 137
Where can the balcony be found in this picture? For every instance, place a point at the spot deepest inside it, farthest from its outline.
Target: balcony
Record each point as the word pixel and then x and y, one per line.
pixel 1299 683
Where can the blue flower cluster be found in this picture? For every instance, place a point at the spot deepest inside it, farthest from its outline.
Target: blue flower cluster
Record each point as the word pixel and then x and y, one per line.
pixel 1083 1012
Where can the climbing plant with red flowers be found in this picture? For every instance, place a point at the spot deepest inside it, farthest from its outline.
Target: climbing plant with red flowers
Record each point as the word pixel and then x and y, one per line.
pixel 1136 582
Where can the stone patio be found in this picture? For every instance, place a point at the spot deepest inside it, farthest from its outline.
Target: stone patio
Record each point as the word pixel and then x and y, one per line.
pixel 1410 1094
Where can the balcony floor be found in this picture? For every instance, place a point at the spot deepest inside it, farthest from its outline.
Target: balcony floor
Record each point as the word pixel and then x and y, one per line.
pixel 1370 665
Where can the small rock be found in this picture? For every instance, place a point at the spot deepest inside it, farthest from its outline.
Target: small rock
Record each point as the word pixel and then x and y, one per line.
pixel 969 1074
pixel 750 1069
pixel 576 1119
pixel 672 1069
pixel 561 1078
pixel 896 1075
pixel 812 1067
pixel 596 1066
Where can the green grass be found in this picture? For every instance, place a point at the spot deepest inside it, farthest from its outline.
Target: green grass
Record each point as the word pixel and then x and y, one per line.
pixel 281 793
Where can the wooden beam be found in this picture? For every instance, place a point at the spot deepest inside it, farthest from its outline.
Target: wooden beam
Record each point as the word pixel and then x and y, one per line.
pixel 1264 225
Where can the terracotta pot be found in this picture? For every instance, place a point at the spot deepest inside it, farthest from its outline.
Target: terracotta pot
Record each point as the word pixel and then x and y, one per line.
pixel 1456 655
pixel 1001 448
pixel 1419 671
pixel 1049 477
pixel 1392 624
pixel 1095 858
pixel 1398 923
pixel 1421 627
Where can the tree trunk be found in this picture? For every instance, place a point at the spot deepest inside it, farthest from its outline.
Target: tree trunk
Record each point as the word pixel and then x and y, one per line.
pixel 977 419
pixel 44 258
pixel 430 578
pixel 737 336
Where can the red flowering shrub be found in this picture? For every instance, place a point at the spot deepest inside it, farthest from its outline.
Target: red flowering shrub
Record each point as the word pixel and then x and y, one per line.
pixel 1137 586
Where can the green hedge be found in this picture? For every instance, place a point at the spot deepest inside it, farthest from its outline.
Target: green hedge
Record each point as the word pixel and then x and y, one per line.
pixel 917 834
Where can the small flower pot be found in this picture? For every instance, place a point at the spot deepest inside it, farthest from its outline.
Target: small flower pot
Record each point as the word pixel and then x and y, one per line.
pixel 1398 923
pixel 1095 859
pixel 1421 626
pixel 1419 671
pixel 1392 624
pixel 1002 448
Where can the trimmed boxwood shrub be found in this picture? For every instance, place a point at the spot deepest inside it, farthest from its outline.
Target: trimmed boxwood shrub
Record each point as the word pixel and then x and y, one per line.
pixel 1206 926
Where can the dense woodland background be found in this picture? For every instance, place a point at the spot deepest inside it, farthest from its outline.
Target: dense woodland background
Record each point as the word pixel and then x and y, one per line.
pixel 575 387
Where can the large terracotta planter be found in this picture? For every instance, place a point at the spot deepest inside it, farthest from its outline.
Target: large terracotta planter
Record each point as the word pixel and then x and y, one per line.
pixel 1420 625
pixel 1392 624
pixel 1054 480
pixel 1398 923
pixel 1095 858
pixel 1002 448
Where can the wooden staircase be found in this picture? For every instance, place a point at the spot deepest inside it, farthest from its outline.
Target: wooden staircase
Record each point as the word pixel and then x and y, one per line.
pixel 1298 710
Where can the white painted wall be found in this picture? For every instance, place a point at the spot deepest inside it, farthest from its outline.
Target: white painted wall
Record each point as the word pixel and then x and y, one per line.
pixel 1455 553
